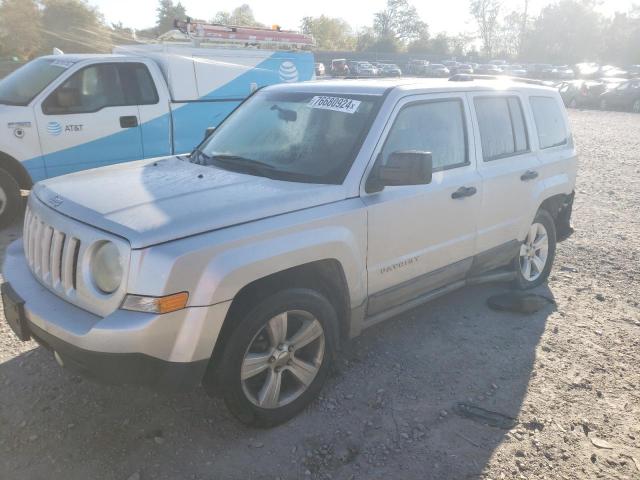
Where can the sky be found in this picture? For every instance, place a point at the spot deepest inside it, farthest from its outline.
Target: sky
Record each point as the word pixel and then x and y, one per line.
pixel 451 16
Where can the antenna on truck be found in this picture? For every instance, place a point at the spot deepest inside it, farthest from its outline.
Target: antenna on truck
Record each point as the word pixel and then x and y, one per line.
pixel 244 36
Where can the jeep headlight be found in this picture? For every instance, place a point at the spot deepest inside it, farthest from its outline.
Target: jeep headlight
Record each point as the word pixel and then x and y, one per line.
pixel 106 267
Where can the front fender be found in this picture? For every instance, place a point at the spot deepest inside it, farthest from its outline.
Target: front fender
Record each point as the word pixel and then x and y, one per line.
pixel 214 267
pixel 236 268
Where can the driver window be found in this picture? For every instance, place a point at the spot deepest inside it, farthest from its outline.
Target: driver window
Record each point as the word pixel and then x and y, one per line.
pixel 437 127
pixel 86 91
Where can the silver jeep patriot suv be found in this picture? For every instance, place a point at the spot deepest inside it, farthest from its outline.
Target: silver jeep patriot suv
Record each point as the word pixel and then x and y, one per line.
pixel 312 212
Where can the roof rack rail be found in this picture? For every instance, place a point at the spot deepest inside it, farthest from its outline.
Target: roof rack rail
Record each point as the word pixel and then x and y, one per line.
pixel 467 77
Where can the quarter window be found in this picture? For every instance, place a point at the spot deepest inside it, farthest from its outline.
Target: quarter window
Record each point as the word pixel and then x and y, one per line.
pixel 552 131
pixel 102 85
pixel 503 131
pixel 437 127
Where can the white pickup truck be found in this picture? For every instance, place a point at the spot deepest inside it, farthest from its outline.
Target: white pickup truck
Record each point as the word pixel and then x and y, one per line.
pixel 64 113
pixel 314 211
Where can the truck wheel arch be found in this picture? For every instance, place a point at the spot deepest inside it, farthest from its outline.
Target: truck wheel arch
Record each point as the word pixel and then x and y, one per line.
pixel 16 170
pixel 326 276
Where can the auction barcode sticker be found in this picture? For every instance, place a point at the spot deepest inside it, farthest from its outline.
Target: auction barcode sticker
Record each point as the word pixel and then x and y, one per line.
pixel 337 104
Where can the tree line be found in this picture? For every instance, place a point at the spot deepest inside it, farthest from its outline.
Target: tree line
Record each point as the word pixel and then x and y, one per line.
pixel 565 31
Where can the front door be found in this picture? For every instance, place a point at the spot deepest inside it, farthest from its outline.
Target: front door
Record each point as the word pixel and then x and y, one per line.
pixel 423 237
pixel 89 121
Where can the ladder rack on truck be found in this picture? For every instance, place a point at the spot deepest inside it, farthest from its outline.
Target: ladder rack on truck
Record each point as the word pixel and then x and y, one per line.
pixel 245 36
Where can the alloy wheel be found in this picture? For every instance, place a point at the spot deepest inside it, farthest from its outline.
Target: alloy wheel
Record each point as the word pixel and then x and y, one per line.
pixel 534 252
pixel 283 359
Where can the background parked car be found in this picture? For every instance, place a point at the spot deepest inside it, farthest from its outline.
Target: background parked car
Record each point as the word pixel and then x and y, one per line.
pixel 462 68
pixel 361 69
pixel 625 96
pixel 587 70
pixel 390 70
pixel 580 93
pixel 320 70
pixel 612 71
pixel 417 67
pixel 437 70
pixel 488 69
pixel 563 72
pixel 514 70
pixel 339 67
pixel 540 70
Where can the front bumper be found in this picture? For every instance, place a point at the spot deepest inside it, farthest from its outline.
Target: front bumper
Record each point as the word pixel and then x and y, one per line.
pixel 169 352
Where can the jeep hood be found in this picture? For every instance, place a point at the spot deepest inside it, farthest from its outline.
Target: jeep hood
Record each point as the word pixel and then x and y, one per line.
pixel 154 201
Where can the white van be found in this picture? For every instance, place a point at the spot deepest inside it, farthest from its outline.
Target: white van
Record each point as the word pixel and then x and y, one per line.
pixel 64 113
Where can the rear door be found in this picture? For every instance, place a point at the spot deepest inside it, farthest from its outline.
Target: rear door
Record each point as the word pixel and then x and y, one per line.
pixel 509 170
pixel 89 121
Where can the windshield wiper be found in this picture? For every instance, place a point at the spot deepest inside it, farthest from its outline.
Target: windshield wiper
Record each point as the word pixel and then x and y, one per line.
pixel 199 157
pixel 243 164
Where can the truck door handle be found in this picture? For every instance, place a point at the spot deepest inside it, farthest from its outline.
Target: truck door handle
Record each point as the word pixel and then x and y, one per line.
pixel 529 175
pixel 129 121
pixel 464 192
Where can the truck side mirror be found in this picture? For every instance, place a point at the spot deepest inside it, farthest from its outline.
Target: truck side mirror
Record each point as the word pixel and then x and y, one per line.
pixel 406 167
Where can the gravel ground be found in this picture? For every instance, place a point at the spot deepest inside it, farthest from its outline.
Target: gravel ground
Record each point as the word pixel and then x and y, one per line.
pixel 568 373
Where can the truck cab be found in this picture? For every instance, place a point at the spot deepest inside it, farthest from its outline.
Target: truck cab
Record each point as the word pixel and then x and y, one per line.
pixel 65 113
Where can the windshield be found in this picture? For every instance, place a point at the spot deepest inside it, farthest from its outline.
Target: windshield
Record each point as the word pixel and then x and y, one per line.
pixel 306 137
pixel 24 84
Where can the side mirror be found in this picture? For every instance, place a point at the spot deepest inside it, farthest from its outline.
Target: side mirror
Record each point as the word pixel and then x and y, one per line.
pixel 208 132
pixel 407 167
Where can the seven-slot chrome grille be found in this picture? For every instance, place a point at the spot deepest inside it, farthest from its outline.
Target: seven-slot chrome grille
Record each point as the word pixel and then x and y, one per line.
pixel 52 254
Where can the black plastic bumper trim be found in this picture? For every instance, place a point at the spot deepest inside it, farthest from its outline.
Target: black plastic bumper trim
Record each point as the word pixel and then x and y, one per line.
pixel 124 368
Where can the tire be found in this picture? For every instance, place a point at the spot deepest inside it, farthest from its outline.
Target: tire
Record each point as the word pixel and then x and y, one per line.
pixel 537 253
pixel 636 106
pixel 10 198
pixel 603 104
pixel 256 337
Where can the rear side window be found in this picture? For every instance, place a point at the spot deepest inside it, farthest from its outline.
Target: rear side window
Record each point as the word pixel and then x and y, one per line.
pixel 437 127
pixel 502 129
pixel 552 131
pixel 138 84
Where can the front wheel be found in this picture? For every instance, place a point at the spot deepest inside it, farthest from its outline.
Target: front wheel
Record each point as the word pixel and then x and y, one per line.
pixel 537 252
pixel 9 198
pixel 278 357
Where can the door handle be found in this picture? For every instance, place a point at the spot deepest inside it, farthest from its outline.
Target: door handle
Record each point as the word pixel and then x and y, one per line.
pixel 129 121
pixel 463 192
pixel 529 175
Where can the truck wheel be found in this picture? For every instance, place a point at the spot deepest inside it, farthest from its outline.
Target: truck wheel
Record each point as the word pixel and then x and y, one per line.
pixel 9 198
pixel 535 259
pixel 278 357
